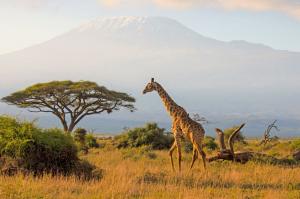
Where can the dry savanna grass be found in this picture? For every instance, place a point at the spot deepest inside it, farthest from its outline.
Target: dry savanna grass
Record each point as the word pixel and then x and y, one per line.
pixel 139 173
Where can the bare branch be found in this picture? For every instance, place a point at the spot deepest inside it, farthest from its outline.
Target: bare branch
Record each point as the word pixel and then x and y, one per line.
pixel 231 140
pixel 267 134
pixel 196 117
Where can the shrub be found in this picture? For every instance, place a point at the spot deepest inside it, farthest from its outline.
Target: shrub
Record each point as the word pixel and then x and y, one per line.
pixel 209 143
pixel 84 140
pixel 138 153
pixel 265 159
pixel 187 145
pixel 29 148
pixel 295 144
pixel 79 135
pixel 149 135
pixel 40 150
pixel 91 141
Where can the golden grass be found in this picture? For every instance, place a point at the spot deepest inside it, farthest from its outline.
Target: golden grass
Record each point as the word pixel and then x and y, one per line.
pixel 136 174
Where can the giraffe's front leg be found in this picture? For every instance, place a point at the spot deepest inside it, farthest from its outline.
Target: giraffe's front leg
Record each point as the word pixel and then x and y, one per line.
pixel 171 154
pixel 178 144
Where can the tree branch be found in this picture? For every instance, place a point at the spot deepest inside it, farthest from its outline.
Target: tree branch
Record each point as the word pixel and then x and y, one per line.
pixel 231 140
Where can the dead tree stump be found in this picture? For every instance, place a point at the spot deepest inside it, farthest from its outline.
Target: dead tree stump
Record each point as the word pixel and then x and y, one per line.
pixel 229 154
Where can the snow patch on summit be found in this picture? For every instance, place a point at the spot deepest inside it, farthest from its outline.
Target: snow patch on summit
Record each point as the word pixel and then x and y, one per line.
pixel 134 24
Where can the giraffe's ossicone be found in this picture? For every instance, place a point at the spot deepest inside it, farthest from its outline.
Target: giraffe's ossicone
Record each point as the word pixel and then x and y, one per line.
pixel 182 125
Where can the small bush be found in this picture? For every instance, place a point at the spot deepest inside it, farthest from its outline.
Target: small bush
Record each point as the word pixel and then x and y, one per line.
pixel 91 141
pixel 85 141
pixel 265 159
pixel 187 145
pixel 295 144
pixel 25 147
pixel 209 143
pixel 86 171
pixel 138 153
pixel 149 135
pixel 79 135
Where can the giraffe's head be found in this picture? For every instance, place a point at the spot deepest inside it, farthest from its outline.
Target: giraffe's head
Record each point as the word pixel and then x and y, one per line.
pixel 151 86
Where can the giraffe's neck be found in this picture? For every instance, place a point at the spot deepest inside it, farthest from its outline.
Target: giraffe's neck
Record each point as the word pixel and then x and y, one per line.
pixel 168 102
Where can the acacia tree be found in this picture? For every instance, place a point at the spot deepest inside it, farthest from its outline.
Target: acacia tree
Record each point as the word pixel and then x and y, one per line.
pixel 70 101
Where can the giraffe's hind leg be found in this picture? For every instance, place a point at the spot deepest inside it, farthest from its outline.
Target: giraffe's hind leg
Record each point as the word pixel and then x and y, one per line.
pixel 171 154
pixel 202 153
pixel 195 156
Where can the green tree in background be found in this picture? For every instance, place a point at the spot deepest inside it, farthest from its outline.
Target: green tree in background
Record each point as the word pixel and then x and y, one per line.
pixel 70 101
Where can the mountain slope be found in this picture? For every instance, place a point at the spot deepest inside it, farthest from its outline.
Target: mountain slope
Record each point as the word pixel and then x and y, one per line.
pixel 150 46
pixel 204 75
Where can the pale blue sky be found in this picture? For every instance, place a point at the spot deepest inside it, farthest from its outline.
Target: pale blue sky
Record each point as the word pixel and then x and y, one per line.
pixel 275 23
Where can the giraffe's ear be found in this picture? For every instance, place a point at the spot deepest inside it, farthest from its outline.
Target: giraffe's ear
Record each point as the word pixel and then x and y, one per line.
pixel 152 79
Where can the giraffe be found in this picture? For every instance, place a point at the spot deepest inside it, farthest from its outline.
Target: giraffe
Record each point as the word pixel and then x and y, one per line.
pixel 182 125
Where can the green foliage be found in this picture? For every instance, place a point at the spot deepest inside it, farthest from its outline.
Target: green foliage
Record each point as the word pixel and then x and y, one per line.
pixel 149 135
pixel 209 143
pixel 295 144
pixel 138 153
pixel 39 150
pixel 84 140
pixel 267 159
pixel 79 135
pixel 238 138
pixel 70 101
pixel 91 141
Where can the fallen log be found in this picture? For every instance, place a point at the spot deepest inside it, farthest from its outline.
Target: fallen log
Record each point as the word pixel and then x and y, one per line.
pixel 229 154
pixel 296 155
pixel 240 156
pixel 245 156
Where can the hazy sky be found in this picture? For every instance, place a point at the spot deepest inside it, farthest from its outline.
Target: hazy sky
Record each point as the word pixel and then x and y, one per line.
pixel 272 22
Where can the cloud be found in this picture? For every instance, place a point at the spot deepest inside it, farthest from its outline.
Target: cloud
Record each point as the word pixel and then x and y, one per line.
pixel 111 3
pixel 289 7
pixel 35 5
pixel 27 3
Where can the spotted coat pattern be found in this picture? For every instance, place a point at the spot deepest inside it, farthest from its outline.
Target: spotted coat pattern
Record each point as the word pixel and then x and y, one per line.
pixel 182 125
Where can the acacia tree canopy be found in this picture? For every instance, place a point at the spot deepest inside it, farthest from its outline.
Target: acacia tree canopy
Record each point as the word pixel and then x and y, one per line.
pixel 70 101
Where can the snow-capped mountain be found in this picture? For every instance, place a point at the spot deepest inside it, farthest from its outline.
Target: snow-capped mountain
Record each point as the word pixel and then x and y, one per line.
pixel 207 76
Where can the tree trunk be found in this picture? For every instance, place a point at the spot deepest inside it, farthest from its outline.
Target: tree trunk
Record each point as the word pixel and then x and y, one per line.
pixel 62 121
pixel 71 127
